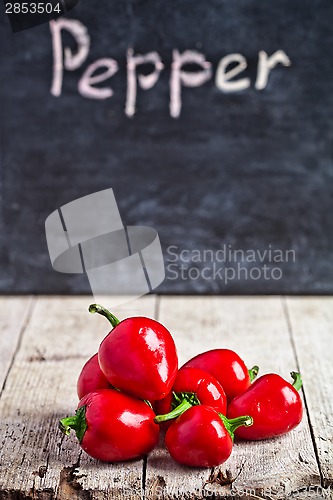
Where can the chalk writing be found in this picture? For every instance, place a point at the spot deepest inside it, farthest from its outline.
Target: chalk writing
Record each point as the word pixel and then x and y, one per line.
pixel 229 67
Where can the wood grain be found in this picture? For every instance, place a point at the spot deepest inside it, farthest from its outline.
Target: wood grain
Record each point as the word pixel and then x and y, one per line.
pixel 257 329
pixel 14 313
pixel 36 460
pixel 311 323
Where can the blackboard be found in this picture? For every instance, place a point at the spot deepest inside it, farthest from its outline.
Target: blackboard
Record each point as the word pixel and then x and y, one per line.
pixel 244 168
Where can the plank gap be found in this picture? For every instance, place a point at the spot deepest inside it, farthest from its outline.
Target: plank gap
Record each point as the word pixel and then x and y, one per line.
pixel 157 307
pixel 25 322
pixel 290 331
pixel 293 343
pixel 144 473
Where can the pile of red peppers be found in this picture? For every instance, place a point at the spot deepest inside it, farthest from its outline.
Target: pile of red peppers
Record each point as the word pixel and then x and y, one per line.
pixel 132 388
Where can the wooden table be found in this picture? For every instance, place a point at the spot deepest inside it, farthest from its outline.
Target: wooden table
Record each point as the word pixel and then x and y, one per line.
pixel 45 341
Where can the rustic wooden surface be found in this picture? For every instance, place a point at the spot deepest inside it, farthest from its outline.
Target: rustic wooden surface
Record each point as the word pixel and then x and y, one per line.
pixel 45 341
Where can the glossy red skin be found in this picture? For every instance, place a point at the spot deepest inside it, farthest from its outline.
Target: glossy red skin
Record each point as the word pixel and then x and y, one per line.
pixel 227 367
pixel 274 404
pixel 207 389
pixel 91 378
pixel 119 427
pixel 139 357
pixel 198 438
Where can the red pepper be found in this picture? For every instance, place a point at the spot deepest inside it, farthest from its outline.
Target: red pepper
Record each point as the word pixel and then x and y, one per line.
pixel 138 356
pixel 91 378
pixel 228 368
pixel 192 387
pixel 201 437
pixel 274 404
pixel 112 426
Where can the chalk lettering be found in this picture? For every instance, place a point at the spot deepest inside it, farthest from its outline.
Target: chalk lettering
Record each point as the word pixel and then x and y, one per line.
pixel 180 77
pixel 229 67
pixel 266 63
pixel 87 81
pixel 146 81
pixel 68 60
pixel 223 77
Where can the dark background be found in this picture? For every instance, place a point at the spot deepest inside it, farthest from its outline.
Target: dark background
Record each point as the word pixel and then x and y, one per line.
pixel 249 169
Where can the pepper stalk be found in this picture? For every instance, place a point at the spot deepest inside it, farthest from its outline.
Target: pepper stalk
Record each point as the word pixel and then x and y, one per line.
pixel 96 308
pixel 185 399
pixel 77 423
pixel 297 380
pixel 233 423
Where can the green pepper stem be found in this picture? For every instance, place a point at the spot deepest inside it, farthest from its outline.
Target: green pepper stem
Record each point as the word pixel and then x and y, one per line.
pixel 96 308
pixel 181 401
pixel 253 372
pixel 297 380
pixel 77 423
pixel 232 424
pixel 179 410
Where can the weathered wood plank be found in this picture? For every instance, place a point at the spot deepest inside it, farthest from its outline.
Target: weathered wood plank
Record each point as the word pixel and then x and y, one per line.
pixel 36 460
pixel 14 312
pixel 40 389
pixel 257 329
pixel 311 321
